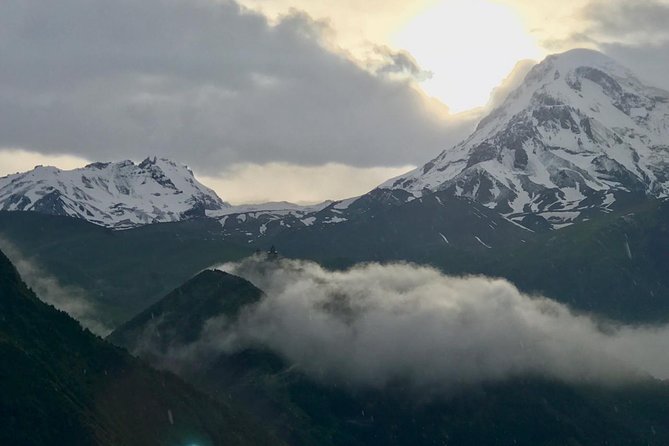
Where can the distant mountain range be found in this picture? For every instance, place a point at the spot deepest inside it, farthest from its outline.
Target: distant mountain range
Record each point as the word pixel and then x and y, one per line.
pixel 579 131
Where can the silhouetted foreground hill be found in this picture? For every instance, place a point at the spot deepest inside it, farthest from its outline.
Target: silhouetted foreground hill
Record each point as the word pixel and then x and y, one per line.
pixel 61 385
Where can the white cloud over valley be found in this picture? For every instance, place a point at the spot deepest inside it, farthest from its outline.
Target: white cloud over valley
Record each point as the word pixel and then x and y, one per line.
pixel 376 324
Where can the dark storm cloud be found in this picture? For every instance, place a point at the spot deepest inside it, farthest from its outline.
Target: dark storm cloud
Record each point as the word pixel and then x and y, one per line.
pixel 203 82
pixel 633 32
pixel 628 19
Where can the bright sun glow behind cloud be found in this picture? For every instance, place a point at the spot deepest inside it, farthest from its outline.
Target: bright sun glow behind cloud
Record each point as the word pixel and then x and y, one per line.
pixel 469 46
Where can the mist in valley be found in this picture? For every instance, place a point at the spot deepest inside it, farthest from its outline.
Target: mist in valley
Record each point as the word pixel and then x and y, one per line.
pixel 374 325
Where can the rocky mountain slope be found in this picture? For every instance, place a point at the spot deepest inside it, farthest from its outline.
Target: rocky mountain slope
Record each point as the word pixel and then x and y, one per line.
pixel 116 195
pixel 579 130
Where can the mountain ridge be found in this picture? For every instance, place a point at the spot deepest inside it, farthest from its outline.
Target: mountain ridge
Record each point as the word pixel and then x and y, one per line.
pixel 117 195
pixel 578 132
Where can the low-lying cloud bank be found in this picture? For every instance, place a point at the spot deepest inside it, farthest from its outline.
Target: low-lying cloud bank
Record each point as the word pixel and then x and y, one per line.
pixel 377 324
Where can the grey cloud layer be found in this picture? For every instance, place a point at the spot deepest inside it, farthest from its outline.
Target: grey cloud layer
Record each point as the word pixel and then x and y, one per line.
pixel 633 32
pixel 375 324
pixel 620 19
pixel 204 82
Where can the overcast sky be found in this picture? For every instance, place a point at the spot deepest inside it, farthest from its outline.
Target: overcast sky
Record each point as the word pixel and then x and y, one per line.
pixel 277 90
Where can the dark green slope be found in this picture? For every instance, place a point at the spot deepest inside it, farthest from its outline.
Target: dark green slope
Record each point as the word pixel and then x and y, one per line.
pixel 182 313
pixel 61 385
pixel 587 265
pixel 122 271
pixel 305 412
pixel 411 231
pixel 616 265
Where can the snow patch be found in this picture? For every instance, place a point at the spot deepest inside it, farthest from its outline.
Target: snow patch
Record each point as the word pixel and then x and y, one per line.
pixel 482 242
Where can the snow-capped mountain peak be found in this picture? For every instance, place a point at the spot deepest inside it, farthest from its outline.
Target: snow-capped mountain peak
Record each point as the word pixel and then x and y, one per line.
pixel 117 195
pixel 580 128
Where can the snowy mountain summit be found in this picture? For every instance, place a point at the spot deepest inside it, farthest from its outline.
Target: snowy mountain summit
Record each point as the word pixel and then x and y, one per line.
pixel 578 130
pixel 116 195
